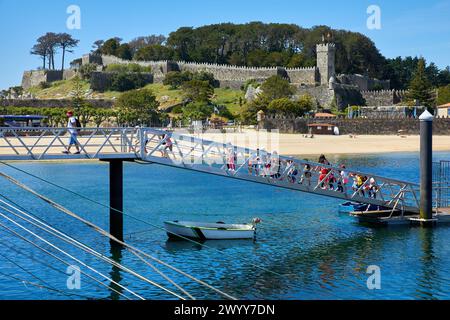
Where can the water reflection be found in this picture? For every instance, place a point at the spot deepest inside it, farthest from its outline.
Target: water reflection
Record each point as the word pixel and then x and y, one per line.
pixel 174 246
pixel 426 280
pixel 115 274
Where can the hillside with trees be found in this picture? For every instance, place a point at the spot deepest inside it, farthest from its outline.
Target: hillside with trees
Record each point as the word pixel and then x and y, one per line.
pixel 260 44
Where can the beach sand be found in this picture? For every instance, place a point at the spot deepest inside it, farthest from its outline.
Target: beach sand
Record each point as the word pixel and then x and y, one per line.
pixel 297 144
pixel 285 144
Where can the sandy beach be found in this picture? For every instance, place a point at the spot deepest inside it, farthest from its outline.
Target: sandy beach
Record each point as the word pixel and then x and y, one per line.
pixel 297 144
pixel 285 144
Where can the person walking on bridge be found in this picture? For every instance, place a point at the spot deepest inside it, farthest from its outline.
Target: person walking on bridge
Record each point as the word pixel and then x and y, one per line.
pixel 72 126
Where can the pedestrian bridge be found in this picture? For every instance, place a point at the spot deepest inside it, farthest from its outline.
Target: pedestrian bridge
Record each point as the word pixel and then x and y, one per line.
pixel 189 152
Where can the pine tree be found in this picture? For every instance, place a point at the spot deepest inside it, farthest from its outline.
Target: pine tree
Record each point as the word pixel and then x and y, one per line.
pixel 420 88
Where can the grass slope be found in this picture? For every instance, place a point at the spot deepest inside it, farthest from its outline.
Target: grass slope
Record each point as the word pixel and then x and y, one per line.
pixel 62 89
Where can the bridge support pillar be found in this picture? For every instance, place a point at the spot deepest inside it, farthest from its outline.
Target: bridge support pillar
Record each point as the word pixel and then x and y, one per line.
pixel 116 199
pixel 116 195
pixel 426 167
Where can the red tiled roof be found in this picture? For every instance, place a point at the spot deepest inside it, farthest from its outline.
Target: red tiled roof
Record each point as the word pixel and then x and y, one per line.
pixel 324 115
pixel 447 105
pixel 320 125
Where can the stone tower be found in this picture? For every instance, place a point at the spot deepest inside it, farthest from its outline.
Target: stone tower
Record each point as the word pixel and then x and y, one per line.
pixel 325 61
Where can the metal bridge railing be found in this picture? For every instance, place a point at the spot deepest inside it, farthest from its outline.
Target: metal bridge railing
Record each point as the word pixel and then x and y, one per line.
pixel 49 143
pixel 186 151
pixel 224 159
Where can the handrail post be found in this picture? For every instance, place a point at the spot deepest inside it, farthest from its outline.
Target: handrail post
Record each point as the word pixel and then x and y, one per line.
pixel 142 139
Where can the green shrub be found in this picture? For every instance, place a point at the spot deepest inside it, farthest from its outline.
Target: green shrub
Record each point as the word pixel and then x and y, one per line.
pixel 198 91
pixel 175 79
pixel 137 107
pixel 44 85
pixel 127 81
pixel 130 67
pixel 197 111
pixel 86 70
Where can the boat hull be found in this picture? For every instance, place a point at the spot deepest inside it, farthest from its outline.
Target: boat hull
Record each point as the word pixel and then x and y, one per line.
pixel 177 230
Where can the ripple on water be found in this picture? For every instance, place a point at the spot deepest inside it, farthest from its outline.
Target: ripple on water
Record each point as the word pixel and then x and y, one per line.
pixel 304 249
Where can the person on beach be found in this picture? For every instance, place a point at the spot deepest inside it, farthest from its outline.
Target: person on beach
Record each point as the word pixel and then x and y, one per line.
pixel 73 126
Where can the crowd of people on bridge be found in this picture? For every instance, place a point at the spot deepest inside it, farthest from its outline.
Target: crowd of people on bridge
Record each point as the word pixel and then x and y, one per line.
pixel 318 175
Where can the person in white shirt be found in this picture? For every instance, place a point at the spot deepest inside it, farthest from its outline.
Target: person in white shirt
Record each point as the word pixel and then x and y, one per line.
pixel 73 130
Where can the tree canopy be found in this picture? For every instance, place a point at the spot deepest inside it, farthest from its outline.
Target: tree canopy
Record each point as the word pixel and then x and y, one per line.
pixel 137 107
pixel 420 87
pixel 47 47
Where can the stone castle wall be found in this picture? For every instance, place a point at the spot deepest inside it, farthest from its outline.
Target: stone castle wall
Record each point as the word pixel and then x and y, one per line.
pixel 303 76
pixel 364 83
pixel 359 126
pixel 36 77
pixel 228 76
pixel 321 94
pixel 383 97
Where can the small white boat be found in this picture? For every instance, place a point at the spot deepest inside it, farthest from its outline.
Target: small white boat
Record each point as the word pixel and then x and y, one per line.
pixel 210 231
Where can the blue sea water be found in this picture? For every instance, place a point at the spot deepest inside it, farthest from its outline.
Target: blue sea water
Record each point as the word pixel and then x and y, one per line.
pixel 304 248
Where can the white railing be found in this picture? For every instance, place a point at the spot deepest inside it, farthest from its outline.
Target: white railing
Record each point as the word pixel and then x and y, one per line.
pixel 189 152
pixel 260 166
pixel 50 143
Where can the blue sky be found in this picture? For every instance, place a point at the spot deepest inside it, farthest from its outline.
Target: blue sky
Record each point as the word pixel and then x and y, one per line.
pixel 416 28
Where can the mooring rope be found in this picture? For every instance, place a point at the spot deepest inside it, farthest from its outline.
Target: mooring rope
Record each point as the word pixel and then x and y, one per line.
pixel 108 235
pixel 46 284
pixel 40 286
pixel 4 244
pixel 66 238
pixel 12 232
pixel 67 254
pixel 151 265
pixel 138 219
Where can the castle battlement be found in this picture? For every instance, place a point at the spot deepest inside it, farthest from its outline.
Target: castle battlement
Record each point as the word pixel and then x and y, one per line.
pixel 326 46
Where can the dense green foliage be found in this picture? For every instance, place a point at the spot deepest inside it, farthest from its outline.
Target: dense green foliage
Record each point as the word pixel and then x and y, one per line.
pixel 137 107
pixel 127 81
pixel 400 71
pixel 175 79
pixel 197 111
pixel 420 87
pixel 290 108
pixel 197 91
pixel 273 44
pixel 86 70
pixel 48 45
pixel 276 87
pixel 130 67
pixel 127 77
pixel 154 52
pixel 443 95
pixel 56 117
pixel 277 98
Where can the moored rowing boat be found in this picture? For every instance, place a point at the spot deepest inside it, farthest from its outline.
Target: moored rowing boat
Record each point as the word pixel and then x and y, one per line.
pixel 209 231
